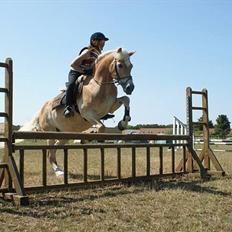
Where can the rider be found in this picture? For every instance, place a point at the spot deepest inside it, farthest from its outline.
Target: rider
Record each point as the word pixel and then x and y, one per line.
pixel 83 64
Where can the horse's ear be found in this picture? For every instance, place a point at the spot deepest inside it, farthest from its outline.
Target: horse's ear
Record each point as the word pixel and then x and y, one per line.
pixel 119 50
pixel 131 53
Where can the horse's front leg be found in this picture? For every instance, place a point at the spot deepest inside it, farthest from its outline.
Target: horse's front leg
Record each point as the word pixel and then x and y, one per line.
pixel 52 156
pixel 126 118
pixel 99 127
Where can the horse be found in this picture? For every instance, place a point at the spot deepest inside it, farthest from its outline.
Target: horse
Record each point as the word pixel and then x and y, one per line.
pixel 97 98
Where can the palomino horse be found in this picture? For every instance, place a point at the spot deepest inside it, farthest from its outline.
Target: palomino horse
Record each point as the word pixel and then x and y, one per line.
pixel 98 98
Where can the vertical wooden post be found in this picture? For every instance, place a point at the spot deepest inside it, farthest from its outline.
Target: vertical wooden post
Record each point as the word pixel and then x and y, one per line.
pixel 205 150
pixel 184 158
pixel 189 116
pixel 173 159
pixel 9 113
pixel 44 168
pixel 65 166
pixel 119 163
pixel 85 164
pixel 148 161
pixel 21 165
pixel 161 160
pixel 102 173
pixel 133 163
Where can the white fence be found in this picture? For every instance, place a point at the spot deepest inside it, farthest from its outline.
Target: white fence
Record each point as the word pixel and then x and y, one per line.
pixel 180 128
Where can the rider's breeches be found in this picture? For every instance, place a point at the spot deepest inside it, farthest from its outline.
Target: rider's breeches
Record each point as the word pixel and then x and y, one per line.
pixel 72 77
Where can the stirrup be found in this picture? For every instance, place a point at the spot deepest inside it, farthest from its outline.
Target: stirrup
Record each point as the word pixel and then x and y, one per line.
pixel 68 112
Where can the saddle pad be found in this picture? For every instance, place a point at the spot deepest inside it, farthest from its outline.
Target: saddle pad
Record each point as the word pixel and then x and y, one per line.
pixel 59 101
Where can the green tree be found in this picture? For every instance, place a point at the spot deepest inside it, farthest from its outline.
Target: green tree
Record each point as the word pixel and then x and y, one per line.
pixel 222 126
pixel 199 127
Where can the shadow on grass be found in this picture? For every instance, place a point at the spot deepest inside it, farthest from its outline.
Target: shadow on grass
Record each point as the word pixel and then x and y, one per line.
pixel 193 186
pixel 52 204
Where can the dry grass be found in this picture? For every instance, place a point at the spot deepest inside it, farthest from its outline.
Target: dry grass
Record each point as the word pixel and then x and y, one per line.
pixel 171 205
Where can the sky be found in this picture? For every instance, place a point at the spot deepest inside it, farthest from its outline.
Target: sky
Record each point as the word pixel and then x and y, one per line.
pixel 178 43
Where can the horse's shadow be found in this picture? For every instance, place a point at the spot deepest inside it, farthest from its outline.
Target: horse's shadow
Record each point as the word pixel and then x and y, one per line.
pixel 191 186
pixel 61 200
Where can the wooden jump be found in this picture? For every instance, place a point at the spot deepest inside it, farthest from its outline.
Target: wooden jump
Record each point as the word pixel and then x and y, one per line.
pixel 12 177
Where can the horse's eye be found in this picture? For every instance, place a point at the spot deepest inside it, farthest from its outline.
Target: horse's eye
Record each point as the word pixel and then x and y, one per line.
pixel 120 65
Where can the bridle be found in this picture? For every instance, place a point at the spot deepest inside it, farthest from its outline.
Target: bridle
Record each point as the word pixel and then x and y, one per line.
pixel 118 79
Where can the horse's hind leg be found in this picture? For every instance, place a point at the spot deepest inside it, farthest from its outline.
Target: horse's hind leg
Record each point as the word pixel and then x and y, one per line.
pixel 52 156
pixel 126 118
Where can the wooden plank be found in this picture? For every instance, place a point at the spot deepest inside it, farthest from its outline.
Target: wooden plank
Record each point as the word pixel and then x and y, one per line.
pixel 161 160
pixel 189 161
pixel 20 200
pixel 3 114
pixel 85 164
pixel 203 172
pixel 133 168
pixel 44 167
pixel 102 172
pixel 90 184
pixel 92 136
pixel 148 156
pixel 119 163
pixel 93 146
pixel 2 175
pixel 215 162
pixel 198 92
pixel 3 90
pixel 173 159
pixel 198 108
pixel 65 166
pixel 15 176
pixel 7 114
pixel 3 139
pixel 3 65
pixel 21 166
pixel 184 159
pixel 3 165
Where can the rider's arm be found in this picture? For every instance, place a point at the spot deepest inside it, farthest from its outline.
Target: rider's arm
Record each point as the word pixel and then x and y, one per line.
pixel 76 63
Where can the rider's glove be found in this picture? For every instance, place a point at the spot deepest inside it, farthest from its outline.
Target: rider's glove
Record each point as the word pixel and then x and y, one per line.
pixel 88 72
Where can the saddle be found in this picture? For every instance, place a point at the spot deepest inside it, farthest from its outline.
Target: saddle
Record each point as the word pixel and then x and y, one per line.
pixel 60 100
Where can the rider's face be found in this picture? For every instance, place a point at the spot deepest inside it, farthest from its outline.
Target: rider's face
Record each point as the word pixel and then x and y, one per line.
pixel 101 44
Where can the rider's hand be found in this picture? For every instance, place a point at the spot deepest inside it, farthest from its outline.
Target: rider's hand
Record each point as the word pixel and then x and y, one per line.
pixel 88 72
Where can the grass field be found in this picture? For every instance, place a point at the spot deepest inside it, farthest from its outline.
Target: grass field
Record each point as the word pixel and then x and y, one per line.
pixel 185 204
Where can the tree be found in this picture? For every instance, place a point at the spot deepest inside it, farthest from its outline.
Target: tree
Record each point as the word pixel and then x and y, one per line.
pixel 199 127
pixel 222 126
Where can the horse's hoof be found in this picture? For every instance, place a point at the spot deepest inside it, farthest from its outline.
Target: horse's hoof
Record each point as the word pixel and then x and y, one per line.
pixel 59 172
pixel 121 125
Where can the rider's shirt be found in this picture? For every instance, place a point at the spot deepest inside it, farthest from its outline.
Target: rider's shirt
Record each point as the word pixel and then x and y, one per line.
pixel 89 61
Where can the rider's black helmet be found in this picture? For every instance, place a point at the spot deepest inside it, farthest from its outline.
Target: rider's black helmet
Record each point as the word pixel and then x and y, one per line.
pixel 98 36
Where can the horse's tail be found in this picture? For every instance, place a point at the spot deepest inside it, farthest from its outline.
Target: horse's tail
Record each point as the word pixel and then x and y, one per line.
pixel 32 125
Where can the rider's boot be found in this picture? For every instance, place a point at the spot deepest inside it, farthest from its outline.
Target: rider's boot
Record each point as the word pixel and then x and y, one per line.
pixel 68 111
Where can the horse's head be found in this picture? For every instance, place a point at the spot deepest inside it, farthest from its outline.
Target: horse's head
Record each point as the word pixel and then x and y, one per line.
pixel 122 67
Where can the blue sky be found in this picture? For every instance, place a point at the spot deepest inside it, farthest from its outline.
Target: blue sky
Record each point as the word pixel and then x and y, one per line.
pixel 178 43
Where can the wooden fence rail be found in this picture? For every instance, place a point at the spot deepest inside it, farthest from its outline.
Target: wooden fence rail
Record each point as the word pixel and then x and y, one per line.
pixel 128 143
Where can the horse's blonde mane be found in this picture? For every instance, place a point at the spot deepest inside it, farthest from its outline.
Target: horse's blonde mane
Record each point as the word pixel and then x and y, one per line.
pixel 104 54
pixel 122 55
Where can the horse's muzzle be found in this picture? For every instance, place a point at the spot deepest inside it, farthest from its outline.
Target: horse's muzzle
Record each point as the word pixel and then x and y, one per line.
pixel 129 88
